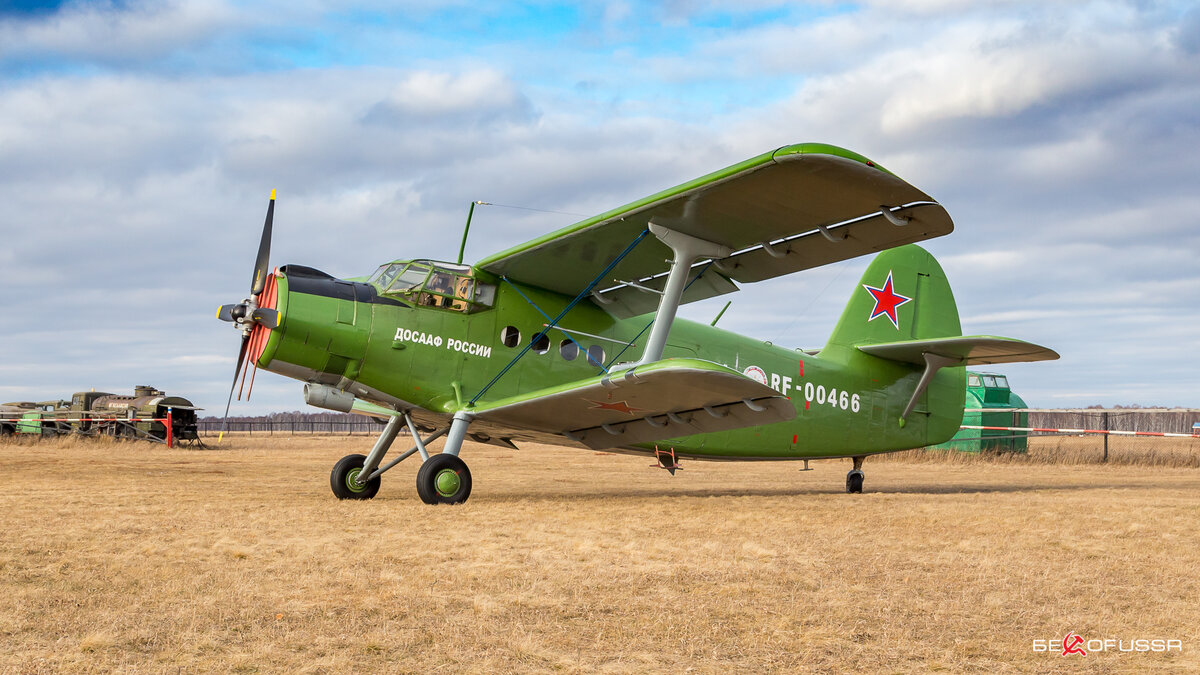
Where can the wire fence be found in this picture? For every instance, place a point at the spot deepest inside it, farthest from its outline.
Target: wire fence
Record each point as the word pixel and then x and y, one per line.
pixel 1116 421
pixel 354 425
pixel 1147 420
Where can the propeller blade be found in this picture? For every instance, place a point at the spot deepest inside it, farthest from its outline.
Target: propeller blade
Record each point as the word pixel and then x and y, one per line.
pixel 268 318
pixel 225 313
pixel 238 371
pixel 264 251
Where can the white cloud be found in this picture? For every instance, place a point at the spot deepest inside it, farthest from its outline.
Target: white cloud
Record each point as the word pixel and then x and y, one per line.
pixel 473 97
pixel 115 33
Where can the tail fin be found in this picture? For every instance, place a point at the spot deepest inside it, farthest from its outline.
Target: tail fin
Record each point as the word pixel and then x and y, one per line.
pixel 903 314
pixel 903 295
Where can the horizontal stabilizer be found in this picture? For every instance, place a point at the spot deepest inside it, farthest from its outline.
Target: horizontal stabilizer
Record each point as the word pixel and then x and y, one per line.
pixel 966 350
pixel 655 401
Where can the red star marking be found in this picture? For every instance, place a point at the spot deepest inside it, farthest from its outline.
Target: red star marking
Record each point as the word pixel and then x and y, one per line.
pixel 619 406
pixel 886 301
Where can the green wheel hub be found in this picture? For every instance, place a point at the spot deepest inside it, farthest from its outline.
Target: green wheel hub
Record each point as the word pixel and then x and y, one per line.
pixel 352 483
pixel 447 482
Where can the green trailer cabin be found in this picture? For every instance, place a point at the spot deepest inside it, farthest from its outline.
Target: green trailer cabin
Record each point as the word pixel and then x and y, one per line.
pixel 989 391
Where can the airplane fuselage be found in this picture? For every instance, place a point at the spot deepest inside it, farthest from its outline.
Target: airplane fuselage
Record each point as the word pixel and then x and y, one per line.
pixel 394 350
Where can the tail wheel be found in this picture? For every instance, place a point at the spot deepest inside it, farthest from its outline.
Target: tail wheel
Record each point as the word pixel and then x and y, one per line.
pixel 444 479
pixel 344 479
pixel 854 481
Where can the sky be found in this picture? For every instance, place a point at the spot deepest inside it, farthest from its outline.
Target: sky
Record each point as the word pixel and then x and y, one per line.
pixel 139 142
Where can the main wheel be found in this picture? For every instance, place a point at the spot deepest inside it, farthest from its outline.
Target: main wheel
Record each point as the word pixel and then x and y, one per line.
pixel 854 481
pixel 342 479
pixel 444 479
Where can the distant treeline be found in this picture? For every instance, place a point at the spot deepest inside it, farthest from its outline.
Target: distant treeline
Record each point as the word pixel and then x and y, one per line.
pixel 294 416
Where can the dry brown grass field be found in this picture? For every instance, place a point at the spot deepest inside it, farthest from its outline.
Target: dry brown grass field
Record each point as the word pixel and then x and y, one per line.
pixel 1070 450
pixel 136 558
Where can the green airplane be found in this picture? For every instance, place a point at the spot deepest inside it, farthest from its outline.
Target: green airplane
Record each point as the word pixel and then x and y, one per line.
pixel 572 338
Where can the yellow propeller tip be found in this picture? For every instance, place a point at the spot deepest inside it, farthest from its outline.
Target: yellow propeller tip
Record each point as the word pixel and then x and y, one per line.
pixel 272 195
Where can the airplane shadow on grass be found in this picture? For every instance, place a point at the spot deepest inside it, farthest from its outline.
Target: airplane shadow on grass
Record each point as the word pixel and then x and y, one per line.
pixel 835 489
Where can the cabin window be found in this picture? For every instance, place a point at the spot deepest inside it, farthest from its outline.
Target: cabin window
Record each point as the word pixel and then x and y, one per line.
pixel 541 343
pixel 1002 382
pixel 973 381
pixel 595 355
pixel 569 349
pixel 510 336
pixel 989 381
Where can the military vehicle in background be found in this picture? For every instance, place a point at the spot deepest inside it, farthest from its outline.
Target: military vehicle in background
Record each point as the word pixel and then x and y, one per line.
pixel 144 415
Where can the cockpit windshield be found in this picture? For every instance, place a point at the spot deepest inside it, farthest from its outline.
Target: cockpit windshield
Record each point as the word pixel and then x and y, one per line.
pixel 411 277
pixel 385 274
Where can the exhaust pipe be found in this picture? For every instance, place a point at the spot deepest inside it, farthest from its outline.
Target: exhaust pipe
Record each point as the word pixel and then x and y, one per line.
pixel 325 396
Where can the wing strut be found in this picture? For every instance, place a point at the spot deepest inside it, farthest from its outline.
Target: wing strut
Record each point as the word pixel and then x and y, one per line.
pixel 686 249
pixel 554 322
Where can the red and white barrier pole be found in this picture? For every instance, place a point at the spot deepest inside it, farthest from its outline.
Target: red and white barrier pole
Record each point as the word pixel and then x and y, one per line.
pixel 87 419
pixel 167 421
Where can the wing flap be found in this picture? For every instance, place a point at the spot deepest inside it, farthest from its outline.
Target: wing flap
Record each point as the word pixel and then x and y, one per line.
pixel 664 399
pixel 966 350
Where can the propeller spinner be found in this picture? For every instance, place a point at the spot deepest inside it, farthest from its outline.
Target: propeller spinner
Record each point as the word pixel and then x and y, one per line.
pixel 254 316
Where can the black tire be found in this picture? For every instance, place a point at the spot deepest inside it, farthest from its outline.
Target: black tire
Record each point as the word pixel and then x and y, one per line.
pixel 436 472
pixel 854 482
pixel 347 468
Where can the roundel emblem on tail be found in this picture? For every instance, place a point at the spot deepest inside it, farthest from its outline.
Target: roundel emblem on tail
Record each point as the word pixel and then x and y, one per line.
pixel 887 300
pixel 756 373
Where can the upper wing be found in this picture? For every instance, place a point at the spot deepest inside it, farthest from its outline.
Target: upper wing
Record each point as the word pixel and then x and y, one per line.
pixel 968 350
pixel 664 399
pixel 798 207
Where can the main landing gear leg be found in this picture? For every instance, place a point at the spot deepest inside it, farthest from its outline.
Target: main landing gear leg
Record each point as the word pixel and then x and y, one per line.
pixel 349 478
pixel 444 478
pixel 357 476
pixel 854 479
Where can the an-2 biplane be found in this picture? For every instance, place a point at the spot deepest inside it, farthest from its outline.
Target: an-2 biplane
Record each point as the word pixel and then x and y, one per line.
pixel 572 338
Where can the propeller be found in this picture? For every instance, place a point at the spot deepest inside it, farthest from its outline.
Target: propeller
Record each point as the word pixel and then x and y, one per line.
pixel 246 315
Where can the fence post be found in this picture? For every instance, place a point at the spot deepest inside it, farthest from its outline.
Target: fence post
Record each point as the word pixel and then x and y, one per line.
pixel 1104 416
pixel 170 425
